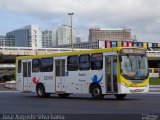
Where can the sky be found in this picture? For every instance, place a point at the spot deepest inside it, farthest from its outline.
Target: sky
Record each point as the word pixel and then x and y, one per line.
pixel 142 16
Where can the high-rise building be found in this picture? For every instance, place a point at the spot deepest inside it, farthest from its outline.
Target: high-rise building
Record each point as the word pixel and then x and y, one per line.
pixel 8 41
pixel 2 40
pixel 111 34
pixel 78 39
pixel 64 35
pixel 28 36
pixel 49 38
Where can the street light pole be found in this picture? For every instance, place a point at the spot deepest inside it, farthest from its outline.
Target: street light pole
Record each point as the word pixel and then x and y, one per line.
pixel 70 14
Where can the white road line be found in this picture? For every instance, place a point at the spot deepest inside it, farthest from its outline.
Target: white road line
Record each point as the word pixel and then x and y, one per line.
pixel 8 91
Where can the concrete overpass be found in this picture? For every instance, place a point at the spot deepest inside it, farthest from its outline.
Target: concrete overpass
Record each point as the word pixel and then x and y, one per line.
pixel 36 51
pixel 153 59
pixel 153 55
pixel 30 50
pixel 8 54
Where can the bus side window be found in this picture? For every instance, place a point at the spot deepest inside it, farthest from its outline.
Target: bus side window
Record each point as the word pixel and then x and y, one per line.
pixel 97 61
pixel 19 66
pixel 46 65
pixel 35 65
pixel 72 63
pixel 84 62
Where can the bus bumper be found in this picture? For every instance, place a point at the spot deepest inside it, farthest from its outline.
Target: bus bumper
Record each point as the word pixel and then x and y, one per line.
pixel 123 89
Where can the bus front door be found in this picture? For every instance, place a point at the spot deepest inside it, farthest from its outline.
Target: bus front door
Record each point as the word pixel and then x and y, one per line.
pixel 26 76
pixel 60 74
pixel 111 73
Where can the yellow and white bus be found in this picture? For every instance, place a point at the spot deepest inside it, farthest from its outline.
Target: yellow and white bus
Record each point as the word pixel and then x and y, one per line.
pixel 118 71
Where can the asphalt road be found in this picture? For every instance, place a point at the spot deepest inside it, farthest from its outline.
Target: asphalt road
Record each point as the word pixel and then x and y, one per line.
pixel 16 102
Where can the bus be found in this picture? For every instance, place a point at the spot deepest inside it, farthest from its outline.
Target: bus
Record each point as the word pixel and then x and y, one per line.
pixel 114 71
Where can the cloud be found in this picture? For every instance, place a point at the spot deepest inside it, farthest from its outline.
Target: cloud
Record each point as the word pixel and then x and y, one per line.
pixel 140 15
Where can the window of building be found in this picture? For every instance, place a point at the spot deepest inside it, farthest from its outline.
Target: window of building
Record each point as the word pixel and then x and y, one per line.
pixel 35 65
pixel 46 65
pixel 19 66
pixel 72 63
pixel 96 61
pixel 84 62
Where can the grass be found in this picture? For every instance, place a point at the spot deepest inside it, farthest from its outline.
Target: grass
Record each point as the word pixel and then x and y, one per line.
pixel 154 81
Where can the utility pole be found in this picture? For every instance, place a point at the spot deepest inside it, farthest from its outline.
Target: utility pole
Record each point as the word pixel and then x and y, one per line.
pixel 70 14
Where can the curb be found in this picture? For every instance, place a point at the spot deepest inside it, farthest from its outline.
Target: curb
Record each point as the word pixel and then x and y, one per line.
pixel 154 88
pixel 10 85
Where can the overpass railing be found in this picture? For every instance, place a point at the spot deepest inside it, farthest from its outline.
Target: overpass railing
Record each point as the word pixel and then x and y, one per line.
pixel 31 48
pixel 153 53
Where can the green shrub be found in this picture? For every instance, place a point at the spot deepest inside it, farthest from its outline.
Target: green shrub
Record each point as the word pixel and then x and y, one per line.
pixel 154 81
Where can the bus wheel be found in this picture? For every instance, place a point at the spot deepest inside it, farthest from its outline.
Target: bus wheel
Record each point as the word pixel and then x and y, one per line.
pixel 65 95
pixel 120 96
pixel 97 92
pixel 41 91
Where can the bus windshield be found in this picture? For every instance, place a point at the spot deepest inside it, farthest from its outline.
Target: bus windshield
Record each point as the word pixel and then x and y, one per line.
pixel 134 66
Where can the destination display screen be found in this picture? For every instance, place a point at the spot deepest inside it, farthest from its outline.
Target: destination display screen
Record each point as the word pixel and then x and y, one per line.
pixel 132 51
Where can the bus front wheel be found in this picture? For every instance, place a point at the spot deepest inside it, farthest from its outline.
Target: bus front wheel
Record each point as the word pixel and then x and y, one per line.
pixel 41 91
pixel 120 96
pixel 97 92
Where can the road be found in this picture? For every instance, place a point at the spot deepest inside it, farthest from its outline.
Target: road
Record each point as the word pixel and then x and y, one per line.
pixel 16 102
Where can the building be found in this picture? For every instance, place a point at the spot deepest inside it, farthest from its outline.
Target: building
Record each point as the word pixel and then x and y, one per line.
pixel 2 40
pixel 8 41
pixel 28 36
pixel 63 34
pixel 82 45
pixel 78 39
pixel 118 34
pixel 49 39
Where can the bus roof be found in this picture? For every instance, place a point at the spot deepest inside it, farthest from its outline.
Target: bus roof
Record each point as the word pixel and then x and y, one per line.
pixel 73 53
